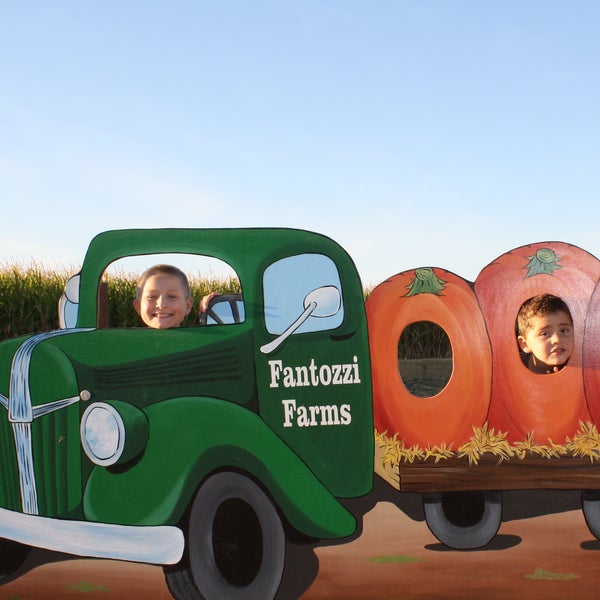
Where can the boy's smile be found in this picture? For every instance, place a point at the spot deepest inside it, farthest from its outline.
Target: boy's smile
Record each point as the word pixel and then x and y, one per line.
pixel 163 302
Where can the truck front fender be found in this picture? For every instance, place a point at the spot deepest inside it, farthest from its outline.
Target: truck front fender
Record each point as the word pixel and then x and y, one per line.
pixel 189 439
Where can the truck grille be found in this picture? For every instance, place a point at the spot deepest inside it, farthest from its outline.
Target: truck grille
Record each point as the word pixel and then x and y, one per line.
pixel 10 495
pixel 57 461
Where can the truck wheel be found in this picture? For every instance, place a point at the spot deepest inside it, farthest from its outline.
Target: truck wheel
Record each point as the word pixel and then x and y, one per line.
pixel 590 503
pixel 235 546
pixel 463 520
pixel 180 581
pixel 12 556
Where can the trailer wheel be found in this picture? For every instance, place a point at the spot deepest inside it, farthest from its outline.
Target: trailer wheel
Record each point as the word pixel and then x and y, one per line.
pixel 463 520
pixel 235 545
pixel 590 503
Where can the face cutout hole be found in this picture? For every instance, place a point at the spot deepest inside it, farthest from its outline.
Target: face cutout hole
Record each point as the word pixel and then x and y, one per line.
pixel 424 358
pixel 544 334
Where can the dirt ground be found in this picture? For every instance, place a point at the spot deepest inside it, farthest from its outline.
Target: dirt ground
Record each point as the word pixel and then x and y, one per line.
pixel 543 550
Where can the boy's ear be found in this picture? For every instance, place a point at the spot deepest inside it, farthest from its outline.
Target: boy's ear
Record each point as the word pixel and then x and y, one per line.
pixel 188 305
pixel 523 344
pixel 136 305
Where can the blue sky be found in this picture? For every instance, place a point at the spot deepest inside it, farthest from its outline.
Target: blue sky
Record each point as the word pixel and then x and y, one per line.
pixel 415 133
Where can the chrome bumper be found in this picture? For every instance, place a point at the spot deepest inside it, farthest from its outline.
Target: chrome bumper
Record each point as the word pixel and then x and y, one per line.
pixel 160 544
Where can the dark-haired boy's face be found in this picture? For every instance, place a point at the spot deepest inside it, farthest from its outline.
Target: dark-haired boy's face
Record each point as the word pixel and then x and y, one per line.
pixel 549 342
pixel 163 302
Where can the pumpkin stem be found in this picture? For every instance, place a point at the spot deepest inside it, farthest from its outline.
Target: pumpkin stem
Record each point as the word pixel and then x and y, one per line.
pixel 544 261
pixel 425 282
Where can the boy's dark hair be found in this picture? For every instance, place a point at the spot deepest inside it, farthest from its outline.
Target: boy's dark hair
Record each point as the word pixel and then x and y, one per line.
pixel 162 270
pixel 542 304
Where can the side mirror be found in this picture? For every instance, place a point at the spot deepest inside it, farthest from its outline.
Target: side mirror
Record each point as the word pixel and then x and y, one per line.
pixel 68 304
pixel 326 300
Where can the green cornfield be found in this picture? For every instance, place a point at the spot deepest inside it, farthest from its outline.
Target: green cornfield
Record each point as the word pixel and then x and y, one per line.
pixel 29 298
pixel 29 304
pixel 424 339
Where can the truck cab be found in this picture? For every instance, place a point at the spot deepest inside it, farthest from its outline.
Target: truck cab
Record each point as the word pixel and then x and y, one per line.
pixel 174 446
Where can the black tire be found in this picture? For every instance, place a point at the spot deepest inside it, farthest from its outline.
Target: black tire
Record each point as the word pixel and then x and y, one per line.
pixel 12 556
pixel 590 504
pixel 180 581
pixel 464 520
pixel 235 544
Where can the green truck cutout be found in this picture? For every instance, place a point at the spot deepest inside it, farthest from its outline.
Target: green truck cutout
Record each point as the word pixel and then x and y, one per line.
pixel 172 447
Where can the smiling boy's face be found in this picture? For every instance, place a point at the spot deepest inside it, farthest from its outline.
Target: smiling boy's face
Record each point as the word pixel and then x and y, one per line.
pixel 163 302
pixel 548 341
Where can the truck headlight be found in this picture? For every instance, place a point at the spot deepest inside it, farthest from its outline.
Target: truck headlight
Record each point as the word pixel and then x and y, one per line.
pixel 113 432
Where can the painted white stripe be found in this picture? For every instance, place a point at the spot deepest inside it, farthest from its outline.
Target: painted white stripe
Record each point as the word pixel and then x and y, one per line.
pixel 21 414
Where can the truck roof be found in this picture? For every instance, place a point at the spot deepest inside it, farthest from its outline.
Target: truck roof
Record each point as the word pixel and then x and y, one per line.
pixel 246 250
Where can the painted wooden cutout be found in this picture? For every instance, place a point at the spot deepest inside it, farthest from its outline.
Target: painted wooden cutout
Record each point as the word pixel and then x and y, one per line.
pixel 522 402
pixel 171 447
pixel 437 296
pixel 538 432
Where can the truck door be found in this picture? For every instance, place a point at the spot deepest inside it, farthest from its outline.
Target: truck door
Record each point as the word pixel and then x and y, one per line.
pixel 313 372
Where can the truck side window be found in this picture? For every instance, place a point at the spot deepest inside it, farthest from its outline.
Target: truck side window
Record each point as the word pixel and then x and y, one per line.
pixel 205 274
pixel 286 285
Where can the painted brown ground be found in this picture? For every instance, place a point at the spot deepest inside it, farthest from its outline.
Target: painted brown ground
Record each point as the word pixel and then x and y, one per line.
pixel 394 558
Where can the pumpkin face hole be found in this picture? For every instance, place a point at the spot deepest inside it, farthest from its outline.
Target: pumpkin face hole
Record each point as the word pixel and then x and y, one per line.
pixel 544 332
pixel 424 358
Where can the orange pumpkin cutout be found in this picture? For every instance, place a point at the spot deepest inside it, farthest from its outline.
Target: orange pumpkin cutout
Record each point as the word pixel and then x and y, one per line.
pixel 547 406
pixel 591 356
pixel 440 297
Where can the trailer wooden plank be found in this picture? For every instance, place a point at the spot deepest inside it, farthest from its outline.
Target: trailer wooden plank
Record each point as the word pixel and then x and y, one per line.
pixel 565 473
